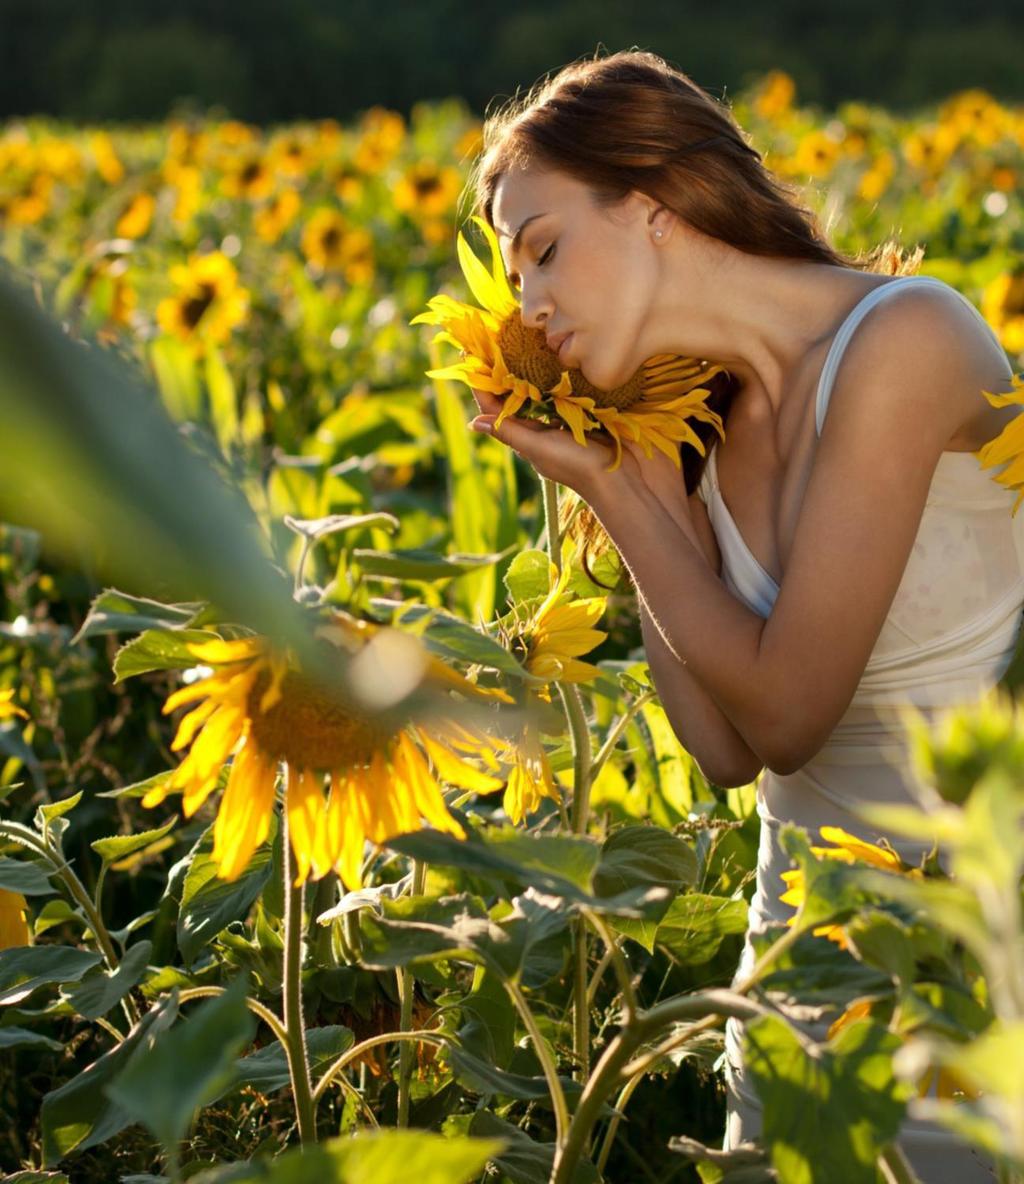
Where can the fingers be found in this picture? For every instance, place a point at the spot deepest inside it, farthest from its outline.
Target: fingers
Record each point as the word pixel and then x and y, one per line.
pixel 489 404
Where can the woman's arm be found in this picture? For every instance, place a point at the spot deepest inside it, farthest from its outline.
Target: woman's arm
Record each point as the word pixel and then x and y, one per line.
pixel 722 754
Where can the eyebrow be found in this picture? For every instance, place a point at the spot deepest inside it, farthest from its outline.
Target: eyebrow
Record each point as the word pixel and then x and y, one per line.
pixel 517 237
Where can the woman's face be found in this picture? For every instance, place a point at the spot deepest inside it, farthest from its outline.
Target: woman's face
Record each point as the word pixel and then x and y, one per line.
pixel 580 269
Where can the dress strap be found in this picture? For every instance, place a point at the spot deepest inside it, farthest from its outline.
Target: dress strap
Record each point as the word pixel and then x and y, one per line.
pixel 859 311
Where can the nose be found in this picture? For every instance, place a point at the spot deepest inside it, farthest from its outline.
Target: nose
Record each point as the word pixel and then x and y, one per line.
pixel 536 308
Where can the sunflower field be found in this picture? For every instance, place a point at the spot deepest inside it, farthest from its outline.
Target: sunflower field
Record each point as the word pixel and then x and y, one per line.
pixel 342 834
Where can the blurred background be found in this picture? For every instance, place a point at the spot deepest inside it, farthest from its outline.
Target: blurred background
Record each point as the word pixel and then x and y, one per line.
pixel 265 60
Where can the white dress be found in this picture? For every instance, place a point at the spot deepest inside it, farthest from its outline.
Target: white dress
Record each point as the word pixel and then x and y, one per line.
pixel 949 635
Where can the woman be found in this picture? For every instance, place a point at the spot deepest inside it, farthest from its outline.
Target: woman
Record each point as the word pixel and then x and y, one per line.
pixel 826 567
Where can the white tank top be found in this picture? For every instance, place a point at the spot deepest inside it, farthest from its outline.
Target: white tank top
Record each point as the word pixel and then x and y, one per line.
pixel 950 632
pixel 949 635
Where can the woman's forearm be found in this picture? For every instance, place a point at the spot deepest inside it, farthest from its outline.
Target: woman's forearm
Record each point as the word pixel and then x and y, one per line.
pixel 703 729
pixel 716 637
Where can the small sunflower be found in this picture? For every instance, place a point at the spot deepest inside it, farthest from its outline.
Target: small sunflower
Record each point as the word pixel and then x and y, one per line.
pixel 427 190
pixel 274 219
pixel 14 930
pixel 323 238
pixel 248 176
pixel 1008 446
pixel 849 849
pixel 209 301
pixel 260 710
pixel 502 355
pixel 551 641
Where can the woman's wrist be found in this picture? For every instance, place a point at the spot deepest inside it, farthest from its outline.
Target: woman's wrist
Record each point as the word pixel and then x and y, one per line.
pixel 618 499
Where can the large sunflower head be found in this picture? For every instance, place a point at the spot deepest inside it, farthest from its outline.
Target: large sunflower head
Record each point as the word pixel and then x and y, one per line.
pixel 349 775
pixel 208 302
pixel 502 355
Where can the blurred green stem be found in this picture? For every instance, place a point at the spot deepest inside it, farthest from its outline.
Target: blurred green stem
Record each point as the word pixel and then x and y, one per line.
pixel 294 1022
pixel 406 989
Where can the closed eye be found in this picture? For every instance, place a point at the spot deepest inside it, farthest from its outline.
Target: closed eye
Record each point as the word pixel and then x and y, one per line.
pixel 515 279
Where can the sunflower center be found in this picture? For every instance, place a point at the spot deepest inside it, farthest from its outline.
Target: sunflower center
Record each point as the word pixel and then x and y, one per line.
pixel 309 728
pixel 427 184
pixel 331 238
pixel 192 310
pixel 527 355
pixel 620 397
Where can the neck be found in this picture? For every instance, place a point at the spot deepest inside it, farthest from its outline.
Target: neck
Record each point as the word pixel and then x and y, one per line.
pixel 758 317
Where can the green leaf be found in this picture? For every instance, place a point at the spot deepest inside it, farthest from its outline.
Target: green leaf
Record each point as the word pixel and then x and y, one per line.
pixel 117 612
pixel 695 925
pixel 561 865
pixel 220 387
pixel 209 903
pixel 157 649
pixel 11 1037
pixel 119 847
pixel 55 912
pixel 383 1157
pixel 171 1075
pixel 36 1178
pixel 79 1114
pixel 267 1069
pixel 101 990
pixel 528 576
pixel 523 1160
pixel 53 810
pixel 23 968
pixel 449 637
pixel 176 375
pixel 418 564
pixel 634 856
pixel 481 1078
pixel 26 876
pixel 826 1116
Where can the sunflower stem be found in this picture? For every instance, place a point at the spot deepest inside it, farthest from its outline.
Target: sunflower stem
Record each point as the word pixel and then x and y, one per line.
pixel 549 492
pixel 406 988
pixel 294 1022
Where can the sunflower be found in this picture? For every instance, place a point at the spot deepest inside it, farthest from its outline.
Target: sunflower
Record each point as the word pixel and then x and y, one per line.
pixel 259 709
pixel 1008 446
pixel 551 641
pixel 323 237
pixel 209 301
pixel 248 176
pixel 849 849
pixel 427 190
pixel 14 930
pixel 1002 304
pixel 502 355
pixel 136 217
pixel 275 218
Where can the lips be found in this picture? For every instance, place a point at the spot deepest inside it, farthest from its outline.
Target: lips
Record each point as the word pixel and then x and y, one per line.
pixel 555 342
pixel 563 345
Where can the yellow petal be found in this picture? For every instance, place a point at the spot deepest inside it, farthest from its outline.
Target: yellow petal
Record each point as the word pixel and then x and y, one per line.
pixel 243 819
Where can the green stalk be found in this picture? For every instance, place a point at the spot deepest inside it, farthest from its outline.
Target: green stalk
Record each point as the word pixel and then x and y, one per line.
pixel 337 1067
pixel 294 1022
pixel 549 494
pixel 406 988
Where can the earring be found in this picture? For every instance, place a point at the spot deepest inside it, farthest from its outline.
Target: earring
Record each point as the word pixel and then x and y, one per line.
pixel 657 234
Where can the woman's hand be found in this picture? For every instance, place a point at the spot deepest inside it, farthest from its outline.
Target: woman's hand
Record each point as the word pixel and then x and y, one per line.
pixel 555 454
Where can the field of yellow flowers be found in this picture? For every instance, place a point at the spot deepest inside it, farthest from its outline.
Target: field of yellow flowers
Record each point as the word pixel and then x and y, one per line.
pixel 423 885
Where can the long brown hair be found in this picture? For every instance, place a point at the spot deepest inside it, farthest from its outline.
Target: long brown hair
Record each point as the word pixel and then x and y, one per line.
pixel 630 121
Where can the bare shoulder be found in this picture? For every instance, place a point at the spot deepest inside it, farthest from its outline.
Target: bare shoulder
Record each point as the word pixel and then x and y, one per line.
pixel 923 343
